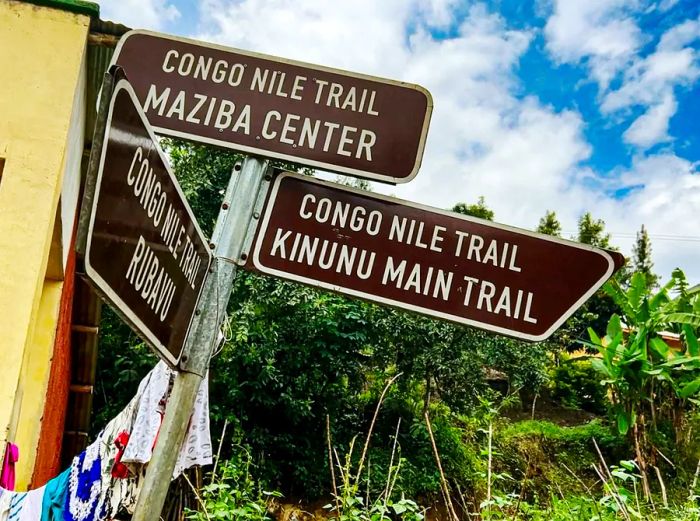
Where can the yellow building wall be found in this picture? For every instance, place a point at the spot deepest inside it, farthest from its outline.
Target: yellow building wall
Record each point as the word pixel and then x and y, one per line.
pixel 41 61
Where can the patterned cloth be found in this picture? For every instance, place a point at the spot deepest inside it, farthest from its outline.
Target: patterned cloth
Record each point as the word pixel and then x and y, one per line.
pixel 196 449
pixel 31 507
pixel 12 506
pixel 85 486
pixel 5 498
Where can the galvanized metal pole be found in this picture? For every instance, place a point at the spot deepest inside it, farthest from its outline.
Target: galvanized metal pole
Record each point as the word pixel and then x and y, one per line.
pixel 248 183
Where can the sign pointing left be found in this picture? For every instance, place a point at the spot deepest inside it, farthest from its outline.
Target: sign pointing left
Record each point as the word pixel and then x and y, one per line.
pixel 145 252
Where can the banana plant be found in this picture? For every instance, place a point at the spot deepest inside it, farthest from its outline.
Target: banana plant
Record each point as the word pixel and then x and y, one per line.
pixel 641 371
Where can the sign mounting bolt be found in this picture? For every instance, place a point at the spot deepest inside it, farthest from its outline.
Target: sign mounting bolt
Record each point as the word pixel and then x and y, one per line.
pixel 256 215
pixel 244 256
pixel 224 206
pixel 212 245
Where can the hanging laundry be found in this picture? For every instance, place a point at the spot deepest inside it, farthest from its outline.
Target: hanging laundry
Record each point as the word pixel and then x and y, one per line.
pixel 105 479
pixel 54 499
pixel 119 485
pixel 31 506
pixel 7 478
pixel 119 470
pixel 196 449
pixel 5 498
pixel 12 504
pixel 149 416
pixel 84 486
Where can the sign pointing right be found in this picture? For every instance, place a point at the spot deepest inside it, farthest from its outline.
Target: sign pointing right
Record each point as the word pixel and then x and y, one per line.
pixel 422 259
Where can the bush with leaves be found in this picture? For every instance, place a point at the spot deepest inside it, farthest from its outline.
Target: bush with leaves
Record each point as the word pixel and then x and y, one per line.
pixel 233 493
pixel 575 384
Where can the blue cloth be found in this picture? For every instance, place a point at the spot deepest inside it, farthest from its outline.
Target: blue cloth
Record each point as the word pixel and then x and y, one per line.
pixel 84 484
pixel 55 497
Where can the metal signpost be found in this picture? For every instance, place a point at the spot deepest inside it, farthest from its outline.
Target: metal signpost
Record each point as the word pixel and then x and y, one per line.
pixel 144 252
pixel 441 264
pixel 321 117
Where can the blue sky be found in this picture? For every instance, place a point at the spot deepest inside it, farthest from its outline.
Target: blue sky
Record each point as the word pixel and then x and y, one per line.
pixel 561 105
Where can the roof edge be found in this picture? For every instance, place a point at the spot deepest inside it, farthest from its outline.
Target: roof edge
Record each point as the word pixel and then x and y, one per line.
pixel 83 7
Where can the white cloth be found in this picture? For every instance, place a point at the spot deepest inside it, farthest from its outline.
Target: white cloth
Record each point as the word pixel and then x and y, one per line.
pixel 149 411
pixel 5 498
pixel 196 449
pixel 13 503
pixel 31 508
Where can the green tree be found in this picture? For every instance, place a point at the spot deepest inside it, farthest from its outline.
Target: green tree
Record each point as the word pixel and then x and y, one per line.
pixel 651 385
pixel 641 258
pixel 592 231
pixel 479 209
pixel 549 224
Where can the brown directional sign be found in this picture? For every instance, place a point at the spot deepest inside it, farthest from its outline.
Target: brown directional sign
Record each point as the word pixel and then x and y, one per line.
pixel 309 114
pixel 434 262
pixel 145 252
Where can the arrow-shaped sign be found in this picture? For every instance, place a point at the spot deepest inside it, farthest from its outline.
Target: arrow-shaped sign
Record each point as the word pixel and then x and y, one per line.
pixel 422 259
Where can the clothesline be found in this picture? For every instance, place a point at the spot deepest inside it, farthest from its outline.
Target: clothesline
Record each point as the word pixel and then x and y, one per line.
pixel 105 478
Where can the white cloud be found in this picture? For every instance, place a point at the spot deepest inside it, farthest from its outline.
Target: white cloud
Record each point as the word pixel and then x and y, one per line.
pixel 665 5
pixel 602 32
pixel 652 126
pixel 650 82
pixel 605 36
pixel 653 78
pixel 667 203
pixel 139 14
pixel 680 35
pixel 437 13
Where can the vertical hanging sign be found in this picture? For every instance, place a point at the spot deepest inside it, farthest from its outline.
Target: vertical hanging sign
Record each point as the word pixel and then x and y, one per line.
pixel 145 252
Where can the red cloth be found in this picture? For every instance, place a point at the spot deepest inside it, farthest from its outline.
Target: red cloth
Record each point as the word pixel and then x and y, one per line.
pixel 7 479
pixel 119 470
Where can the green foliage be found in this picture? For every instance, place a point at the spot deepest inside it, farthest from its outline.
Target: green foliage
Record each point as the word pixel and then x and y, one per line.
pixel 350 505
pixel 641 258
pixel 559 439
pixel 122 361
pixel 592 231
pixel 293 356
pixel 541 455
pixel 233 494
pixel 478 209
pixel 576 385
pixel 549 224
pixel 639 367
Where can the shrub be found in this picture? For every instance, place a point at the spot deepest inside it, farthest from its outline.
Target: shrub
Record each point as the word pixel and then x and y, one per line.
pixel 576 385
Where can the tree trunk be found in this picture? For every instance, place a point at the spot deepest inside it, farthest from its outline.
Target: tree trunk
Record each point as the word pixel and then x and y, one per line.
pixel 428 389
pixel 641 461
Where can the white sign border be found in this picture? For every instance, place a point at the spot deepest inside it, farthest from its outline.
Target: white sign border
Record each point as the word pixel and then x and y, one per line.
pixel 410 307
pixel 373 176
pixel 90 271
